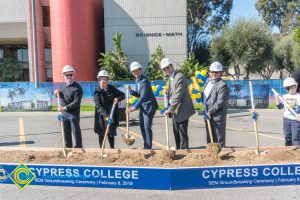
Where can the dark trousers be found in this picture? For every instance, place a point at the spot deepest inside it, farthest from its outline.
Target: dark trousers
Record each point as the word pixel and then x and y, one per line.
pixel 71 125
pixel 180 133
pixel 145 125
pixel 218 132
pixel 111 140
pixel 291 129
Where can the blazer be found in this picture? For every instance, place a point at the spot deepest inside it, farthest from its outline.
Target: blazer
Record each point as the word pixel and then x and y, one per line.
pixel 216 101
pixel 181 106
pixel 147 102
pixel 103 105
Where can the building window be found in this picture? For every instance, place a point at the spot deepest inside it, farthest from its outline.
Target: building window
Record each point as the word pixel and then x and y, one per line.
pixel 48 64
pixel 48 55
pixel 1 55
pixel 23 55
pixel 46 16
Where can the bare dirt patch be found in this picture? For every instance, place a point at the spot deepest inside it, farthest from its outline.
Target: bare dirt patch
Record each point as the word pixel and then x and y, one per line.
pixel 155 158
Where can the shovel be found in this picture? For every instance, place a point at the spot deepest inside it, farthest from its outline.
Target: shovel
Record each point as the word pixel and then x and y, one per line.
pixel 129 140
pixel 66 153
pixel 107 128
pixel 212 147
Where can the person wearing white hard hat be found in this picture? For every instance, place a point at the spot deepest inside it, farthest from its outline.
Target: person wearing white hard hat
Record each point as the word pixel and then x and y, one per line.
pixel 291 124
pixel 104 96
pixel 214 98
pixel 181 106
pixel 146 103
pixel 70 95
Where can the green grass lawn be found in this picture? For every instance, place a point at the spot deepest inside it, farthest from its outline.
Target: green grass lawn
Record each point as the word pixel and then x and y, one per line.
pixel 82 108
pixel 197 107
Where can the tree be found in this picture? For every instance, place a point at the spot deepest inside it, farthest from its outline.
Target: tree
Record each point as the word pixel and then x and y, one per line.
pixel 296 35
pixel 10 70
pixel 219 52
pixel 204 17
pixel 202 53
pixel 190 65
pixel 267 70
pixel 296 52
pixel 285 56
pixel 22 92
pixel 246 43
pixel 115 61
pixel 153 70
pixel 11 94
pixel 283 14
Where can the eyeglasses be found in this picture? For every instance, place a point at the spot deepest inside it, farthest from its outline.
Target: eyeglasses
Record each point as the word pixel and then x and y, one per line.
pixel 214 72
pixel 68 75
pixel 166 68
pixel 103 79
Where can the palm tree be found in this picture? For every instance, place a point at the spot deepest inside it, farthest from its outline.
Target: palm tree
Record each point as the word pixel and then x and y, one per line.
pixel 115 61
pixel 21 92
pixel 11 94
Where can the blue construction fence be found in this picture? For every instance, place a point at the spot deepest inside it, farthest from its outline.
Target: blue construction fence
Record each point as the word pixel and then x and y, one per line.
pixel 89 87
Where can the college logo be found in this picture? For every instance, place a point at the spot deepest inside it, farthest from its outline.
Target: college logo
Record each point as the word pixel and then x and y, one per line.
pixel 22 176
pixel 3 175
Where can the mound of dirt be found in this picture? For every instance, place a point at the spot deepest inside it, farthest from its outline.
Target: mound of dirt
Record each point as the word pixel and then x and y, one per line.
pixel 155 158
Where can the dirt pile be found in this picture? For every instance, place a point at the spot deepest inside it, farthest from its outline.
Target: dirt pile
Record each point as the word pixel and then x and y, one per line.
pixel 155 158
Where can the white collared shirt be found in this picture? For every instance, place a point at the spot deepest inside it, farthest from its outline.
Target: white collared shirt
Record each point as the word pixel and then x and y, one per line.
pixel 208 88
pixel 171 83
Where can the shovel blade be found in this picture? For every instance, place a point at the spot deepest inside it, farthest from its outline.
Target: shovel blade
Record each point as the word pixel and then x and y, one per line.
pixel 129 140
pixel 67 153
pixel 213 148
pixel 103 155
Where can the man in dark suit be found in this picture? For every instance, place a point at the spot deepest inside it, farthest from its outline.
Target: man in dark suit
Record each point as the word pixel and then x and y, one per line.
pixel 214 98
pixel 146 103
pixel 180 103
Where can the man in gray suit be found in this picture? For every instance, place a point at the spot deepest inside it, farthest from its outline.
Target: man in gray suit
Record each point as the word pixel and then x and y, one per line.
pixel 180 103
pixel 214 98
pixel 146 103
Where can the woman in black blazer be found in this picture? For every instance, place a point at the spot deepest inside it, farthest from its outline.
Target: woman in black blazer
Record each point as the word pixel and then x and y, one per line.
pixel 104 96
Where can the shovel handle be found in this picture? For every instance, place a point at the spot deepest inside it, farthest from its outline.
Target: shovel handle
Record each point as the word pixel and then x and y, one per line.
pixel 256 137
pixel 167 132
pixel 104 140
pixel 254 121
pixel 62 128
pixel 127 121
pixel 251 96
pixel 210 131
pixel 108 126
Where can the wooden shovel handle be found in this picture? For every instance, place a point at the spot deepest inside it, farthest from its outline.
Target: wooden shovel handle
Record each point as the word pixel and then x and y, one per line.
pixel 210 131
pixel 167 132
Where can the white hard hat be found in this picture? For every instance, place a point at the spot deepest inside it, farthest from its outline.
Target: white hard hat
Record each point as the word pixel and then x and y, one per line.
pixel 289 82
pixel 165 62
pixel 68 68
pixel 216 67
pixel 103 73
pixel 134 66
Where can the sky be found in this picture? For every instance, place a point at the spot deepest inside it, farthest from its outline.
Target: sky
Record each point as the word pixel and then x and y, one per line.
pixel 243 8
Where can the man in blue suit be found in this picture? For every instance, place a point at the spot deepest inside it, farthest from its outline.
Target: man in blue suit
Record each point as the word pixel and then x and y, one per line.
pixel 146 103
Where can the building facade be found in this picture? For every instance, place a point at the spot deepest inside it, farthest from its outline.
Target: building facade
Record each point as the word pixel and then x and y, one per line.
pixel 74 32
pixel 145 24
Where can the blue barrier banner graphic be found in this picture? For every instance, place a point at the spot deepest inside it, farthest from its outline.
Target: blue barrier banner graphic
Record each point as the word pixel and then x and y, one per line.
pixel 90 176
pixel 235 176
pixel 153 178
pixel 25 99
